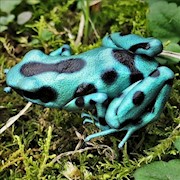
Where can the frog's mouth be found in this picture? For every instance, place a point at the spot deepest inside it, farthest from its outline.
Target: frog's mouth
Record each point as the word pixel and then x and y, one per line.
pixel 45 94
pixel 27 94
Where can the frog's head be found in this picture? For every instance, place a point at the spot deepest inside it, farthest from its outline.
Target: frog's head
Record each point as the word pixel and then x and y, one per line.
pixel 39 78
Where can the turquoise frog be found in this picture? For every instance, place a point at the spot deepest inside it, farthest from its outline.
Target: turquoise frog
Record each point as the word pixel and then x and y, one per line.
pixel 120 79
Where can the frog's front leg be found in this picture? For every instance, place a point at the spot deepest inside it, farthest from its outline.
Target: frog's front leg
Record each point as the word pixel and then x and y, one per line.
pixel 141 104
pixel 64 50
pixel 97 100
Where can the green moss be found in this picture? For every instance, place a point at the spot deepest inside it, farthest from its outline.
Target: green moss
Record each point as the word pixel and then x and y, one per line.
pixel 48 143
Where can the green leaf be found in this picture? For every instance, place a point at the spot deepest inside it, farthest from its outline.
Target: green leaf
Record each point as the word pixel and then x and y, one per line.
pixel 169 1
pixel 5 20
pixel 46 35
pixel 177 144
pixel 164 60
pixel 173 47
pixel 32 2
pixel 159 170
pixel 8 5
pixel 3 28
pixel 163 21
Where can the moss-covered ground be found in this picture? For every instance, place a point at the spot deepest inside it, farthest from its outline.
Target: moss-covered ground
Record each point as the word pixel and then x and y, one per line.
pixel 48 143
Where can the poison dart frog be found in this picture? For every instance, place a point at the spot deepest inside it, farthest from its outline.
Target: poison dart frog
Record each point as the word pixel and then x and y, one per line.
pixel 120 79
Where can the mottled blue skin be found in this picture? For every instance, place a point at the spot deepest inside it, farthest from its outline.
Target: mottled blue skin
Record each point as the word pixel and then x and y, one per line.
pixel 121 79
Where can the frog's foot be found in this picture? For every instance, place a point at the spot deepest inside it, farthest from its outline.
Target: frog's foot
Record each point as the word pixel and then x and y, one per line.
pixel 97 124
pixel 65 50
pixel 101 133
pixel 89 116
pixel 94 120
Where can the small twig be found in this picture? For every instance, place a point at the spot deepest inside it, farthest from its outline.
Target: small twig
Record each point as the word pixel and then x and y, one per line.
pixel 80 30
pixel 104 147
pixel 15 118
pixel 94 2
pixel 177 127
pixel 93 27
pixel 82 24
pixel 71 153
pixel 171 54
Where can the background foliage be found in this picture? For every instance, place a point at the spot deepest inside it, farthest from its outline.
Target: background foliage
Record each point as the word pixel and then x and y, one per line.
pixel 37 145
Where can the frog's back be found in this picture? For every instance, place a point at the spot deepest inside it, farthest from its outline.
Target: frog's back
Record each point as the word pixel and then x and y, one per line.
pixel 112 70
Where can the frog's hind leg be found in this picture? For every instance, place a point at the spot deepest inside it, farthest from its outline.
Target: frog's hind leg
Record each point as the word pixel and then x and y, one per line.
pixel 126 113
pixel 133 43
pixel 141 104
pixel 139 97
pixel 64 50
pixel 151 113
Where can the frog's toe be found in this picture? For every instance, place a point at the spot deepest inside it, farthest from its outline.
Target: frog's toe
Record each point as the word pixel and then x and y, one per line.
pixel 126 137
pixel 7 89
pixel 64 50
pixel 100 134
pixel 86 115
pixel 6 71
pixel 88 121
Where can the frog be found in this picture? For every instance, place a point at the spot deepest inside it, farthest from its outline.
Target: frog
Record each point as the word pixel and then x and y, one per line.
pixel 121 80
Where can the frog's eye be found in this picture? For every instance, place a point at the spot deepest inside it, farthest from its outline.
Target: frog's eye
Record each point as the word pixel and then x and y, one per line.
pixel 45 94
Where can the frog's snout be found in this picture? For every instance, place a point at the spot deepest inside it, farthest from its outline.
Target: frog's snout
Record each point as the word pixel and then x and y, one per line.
pixel 20 83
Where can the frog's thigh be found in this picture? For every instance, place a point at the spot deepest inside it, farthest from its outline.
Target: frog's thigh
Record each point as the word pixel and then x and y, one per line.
pixel 111 113
pixel 139 97
pixel 150 115
pixel 64 50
